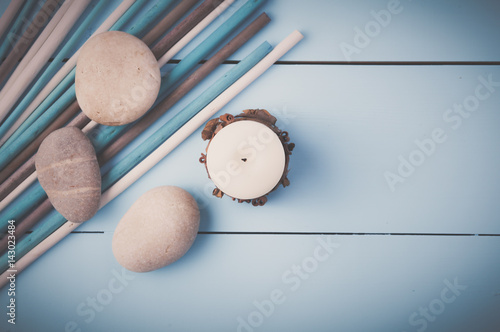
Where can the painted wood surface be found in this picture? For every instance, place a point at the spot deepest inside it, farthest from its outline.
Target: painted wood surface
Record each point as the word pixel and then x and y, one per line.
pixel 338 250
pixel 320 283
pixel 391 30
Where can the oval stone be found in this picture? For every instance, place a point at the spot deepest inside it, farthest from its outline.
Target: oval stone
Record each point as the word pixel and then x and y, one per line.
pixel 117 78
pixel 158 229
pixel 68 171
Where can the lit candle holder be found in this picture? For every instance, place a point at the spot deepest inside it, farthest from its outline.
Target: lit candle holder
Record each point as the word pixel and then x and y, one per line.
pixel 247 156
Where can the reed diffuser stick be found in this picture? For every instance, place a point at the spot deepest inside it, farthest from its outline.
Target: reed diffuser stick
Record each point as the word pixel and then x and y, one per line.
pixel 194 32
pixel 9 14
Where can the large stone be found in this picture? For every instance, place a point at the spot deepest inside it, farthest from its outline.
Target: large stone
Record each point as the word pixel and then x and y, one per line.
pixel 117 78
pixel 158 229
pixel 68 171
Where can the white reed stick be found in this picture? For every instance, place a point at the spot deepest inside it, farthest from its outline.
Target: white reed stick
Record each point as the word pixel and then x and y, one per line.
pixel 164 149
pixel 68 66
pixel 32 69
pixel 91 125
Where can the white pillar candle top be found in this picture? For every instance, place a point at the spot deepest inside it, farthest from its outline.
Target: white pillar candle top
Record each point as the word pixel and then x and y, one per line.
pixel 245 159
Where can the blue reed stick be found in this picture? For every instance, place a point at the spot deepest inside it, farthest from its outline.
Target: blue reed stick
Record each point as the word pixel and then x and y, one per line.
pixel 139 28
pixel 54 220
pixel 129 14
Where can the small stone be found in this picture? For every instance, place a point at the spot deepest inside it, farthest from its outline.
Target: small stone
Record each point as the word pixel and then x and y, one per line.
pixel 157 230
pixel 68 171
pixel 117 78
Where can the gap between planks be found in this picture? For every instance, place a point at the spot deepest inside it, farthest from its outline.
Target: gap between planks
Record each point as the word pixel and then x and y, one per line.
pixel 317 233
pixel 352 63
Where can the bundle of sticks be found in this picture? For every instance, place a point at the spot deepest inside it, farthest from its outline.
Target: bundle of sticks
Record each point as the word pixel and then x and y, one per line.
pixel 30 109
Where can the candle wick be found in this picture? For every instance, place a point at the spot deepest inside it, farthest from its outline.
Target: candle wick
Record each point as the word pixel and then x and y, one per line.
pixel 244 159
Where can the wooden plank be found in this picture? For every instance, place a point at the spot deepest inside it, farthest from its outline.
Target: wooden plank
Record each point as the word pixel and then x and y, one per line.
pixel 409 30
pixel 360 283
pixel 350 125
pixel 415 31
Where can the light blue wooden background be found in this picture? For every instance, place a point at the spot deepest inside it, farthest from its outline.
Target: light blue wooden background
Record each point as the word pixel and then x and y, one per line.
pixel 395 252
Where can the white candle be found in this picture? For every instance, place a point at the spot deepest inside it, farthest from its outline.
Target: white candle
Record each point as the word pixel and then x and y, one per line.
pixel 245 159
